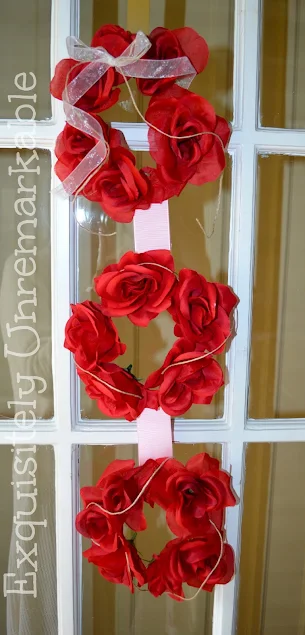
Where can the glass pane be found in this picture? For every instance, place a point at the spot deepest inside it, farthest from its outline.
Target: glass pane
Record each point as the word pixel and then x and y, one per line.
pixel 282 82
pixel 278 345
pixel 25 59
pixel 214 20
pixel 28 604
pixel 109 608
pixel 191 248
pixel 272 566
pixel 26 390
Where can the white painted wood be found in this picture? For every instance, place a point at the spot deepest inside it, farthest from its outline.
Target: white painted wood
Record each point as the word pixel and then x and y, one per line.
pixel 61 363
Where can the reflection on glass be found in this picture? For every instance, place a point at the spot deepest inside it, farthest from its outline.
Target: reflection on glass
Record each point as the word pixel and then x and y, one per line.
pixel 25 60
pixel 109 608
pixel 28 604
pixel 272 567
pixel 26 390
pixel 214 20
pixel 282 81
pixel 206 253
pixel 278 345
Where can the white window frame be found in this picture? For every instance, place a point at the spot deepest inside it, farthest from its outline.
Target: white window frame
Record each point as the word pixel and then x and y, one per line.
pixel 234 430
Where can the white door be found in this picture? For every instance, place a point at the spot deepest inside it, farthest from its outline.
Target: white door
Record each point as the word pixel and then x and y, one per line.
pixel 52 437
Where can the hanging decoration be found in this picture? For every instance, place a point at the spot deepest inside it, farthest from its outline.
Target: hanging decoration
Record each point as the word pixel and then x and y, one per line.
pixel 194 497
pixel 187 141
pixel 141 286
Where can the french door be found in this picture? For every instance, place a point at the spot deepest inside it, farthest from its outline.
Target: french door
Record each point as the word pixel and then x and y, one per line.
pixel 53 439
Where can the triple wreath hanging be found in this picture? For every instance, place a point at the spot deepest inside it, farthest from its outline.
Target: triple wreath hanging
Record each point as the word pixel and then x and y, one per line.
pixel 187 141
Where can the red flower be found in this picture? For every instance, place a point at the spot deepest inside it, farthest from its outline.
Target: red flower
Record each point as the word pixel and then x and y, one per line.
pixel 167 44
pixel 118 392
pixel 72 145
pixel 92 336
pixel 193 382
pixel 115 40
pixel 92 523
pixel 139 286
pixel 198 159
pixel 194 493
pixel 99 97
pixel 120 188
pixel 190 560
pixel 201 310
pixel 119 489
pixel 120 566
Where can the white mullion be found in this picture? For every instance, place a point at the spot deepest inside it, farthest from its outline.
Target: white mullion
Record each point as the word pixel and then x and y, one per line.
pixel 241 246
pixel 235 211
pixel 60 273
pixel 61 18
pixel 44 134
pixel 64 535
pixel 245 213
pixel 272 139
pixel 180 425
pixel 256 434
pixel 291 423
pixel 225 595
pixel 115 433
pixel 38 436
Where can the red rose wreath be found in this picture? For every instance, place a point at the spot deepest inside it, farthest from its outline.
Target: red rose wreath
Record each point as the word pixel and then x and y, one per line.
pixel 141 286
pixel 194 497
pixel 186 138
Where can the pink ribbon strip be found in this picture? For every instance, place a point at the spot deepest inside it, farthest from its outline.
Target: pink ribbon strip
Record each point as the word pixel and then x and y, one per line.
pixel 151 231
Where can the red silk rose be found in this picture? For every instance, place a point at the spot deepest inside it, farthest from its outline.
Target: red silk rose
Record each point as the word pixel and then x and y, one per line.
pixel 194 381
pixel 72 145
pixel 115 491
pixel 115 40
pixel 117 391
pixel 167 44
pixel 119 187
pixel 201 310
pixel 194 493
pixel 197 160
pixel 92 523
pixel 119 485
pixel 190 560
pixel 120 566
pixel 191 494
pixel 99 97
pixel 139 286
pixel 92 336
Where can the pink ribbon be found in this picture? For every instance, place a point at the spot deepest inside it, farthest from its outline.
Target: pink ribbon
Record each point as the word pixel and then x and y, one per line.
pixel 151 231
